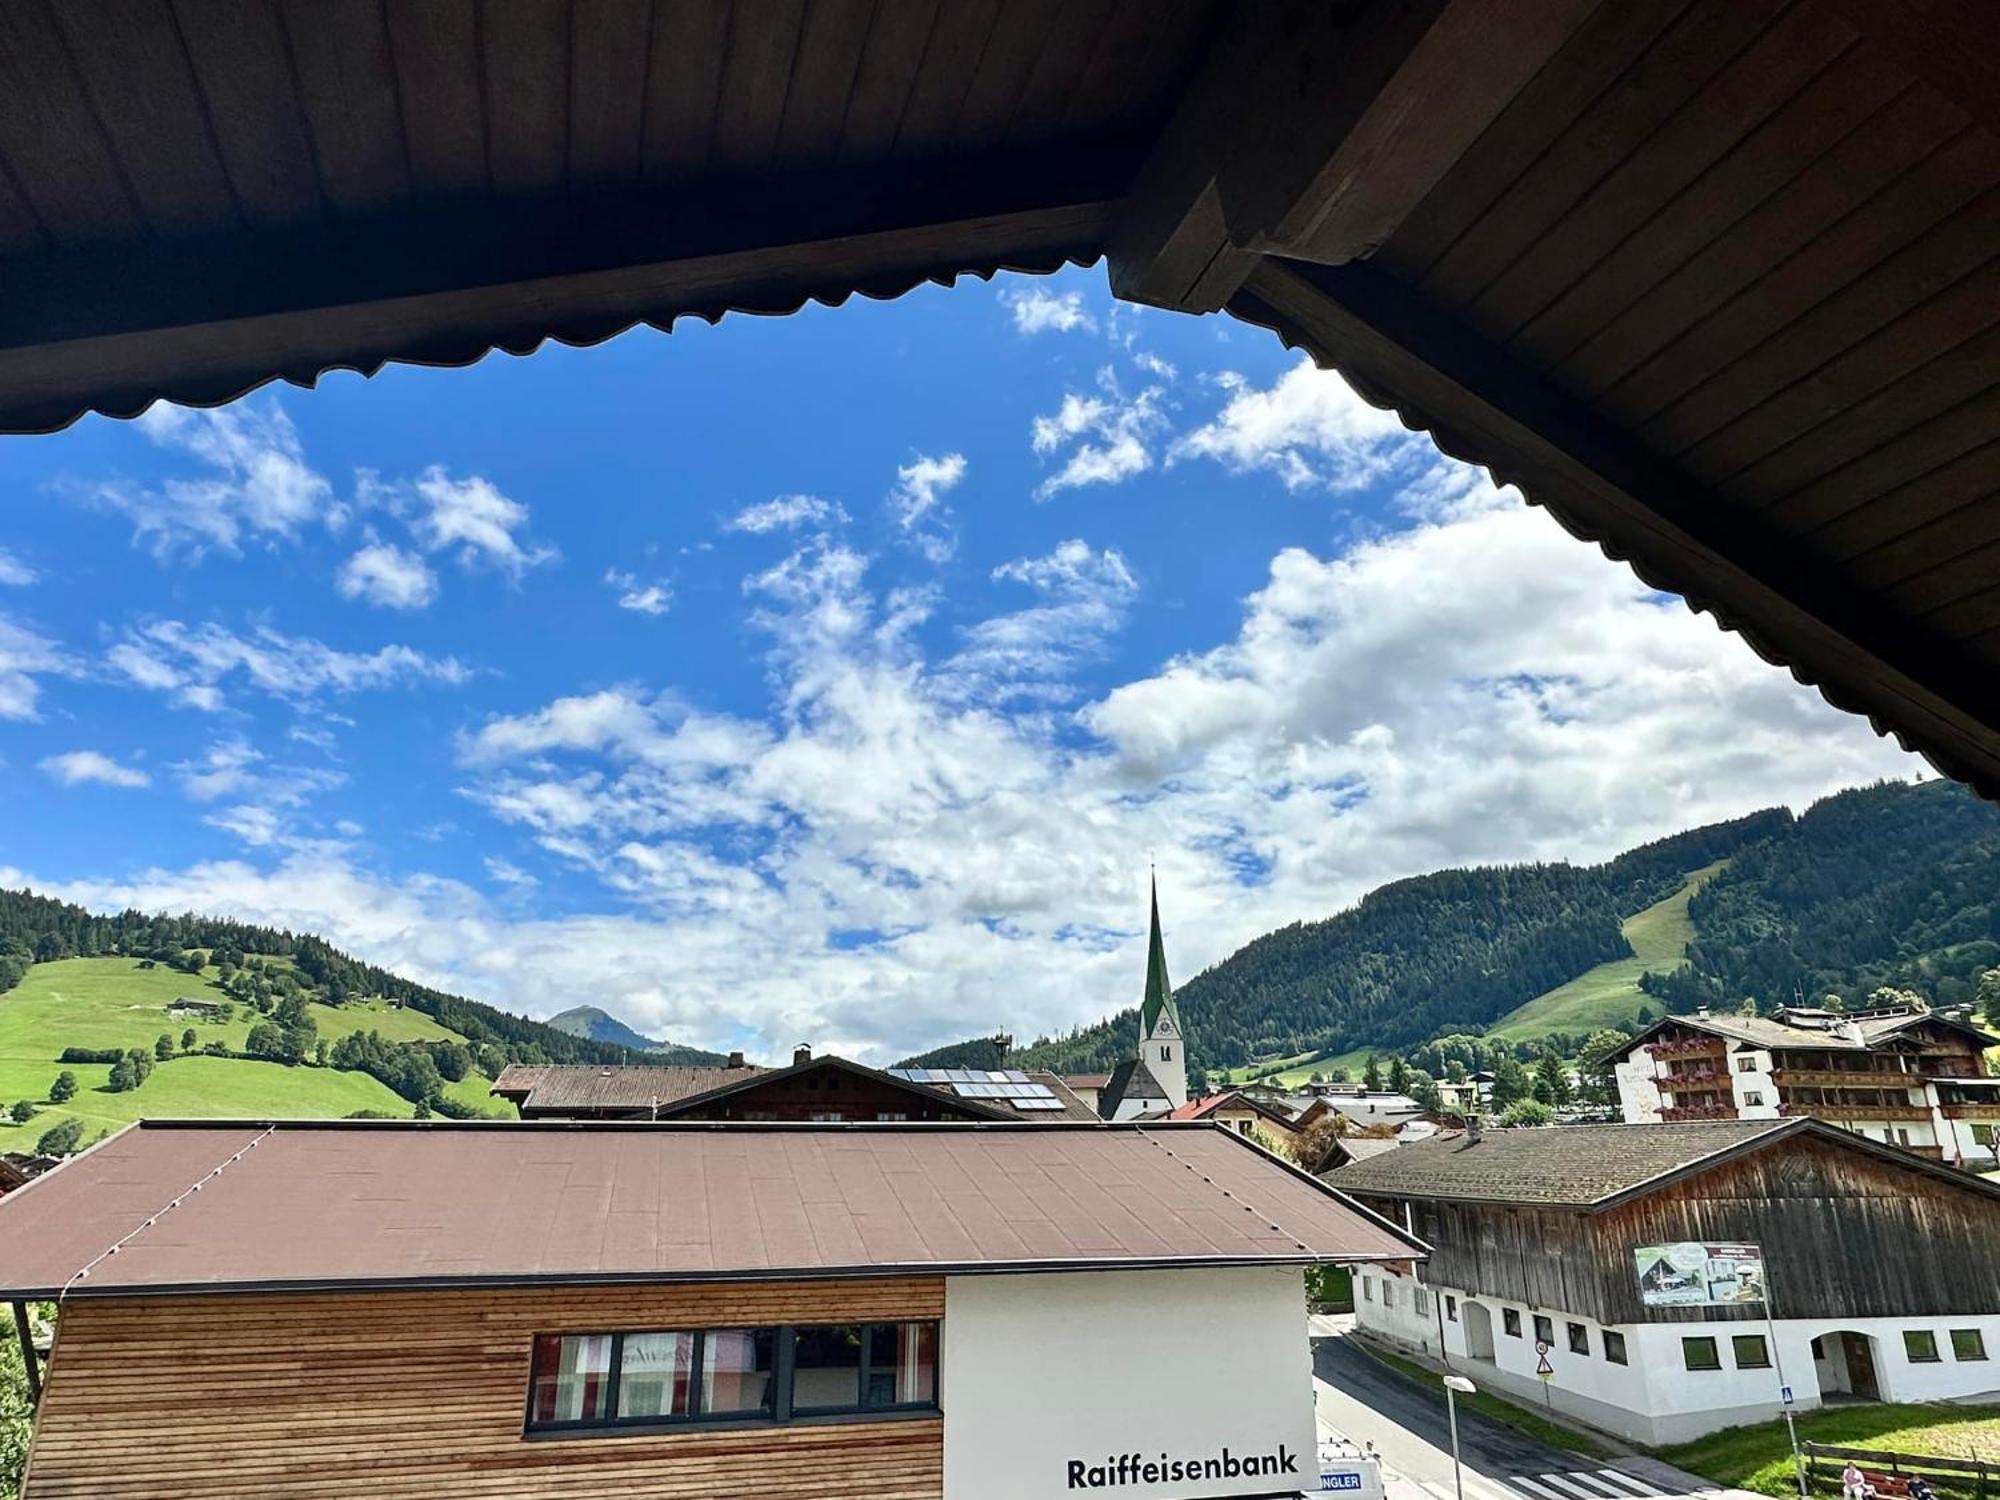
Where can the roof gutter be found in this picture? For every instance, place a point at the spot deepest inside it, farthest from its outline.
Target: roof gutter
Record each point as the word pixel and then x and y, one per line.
pixel 322 1285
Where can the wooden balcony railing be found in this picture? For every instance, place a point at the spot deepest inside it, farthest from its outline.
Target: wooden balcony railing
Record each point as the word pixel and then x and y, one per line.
pixel 1972 1111
pixel 1845 1112
pixel 1698 1112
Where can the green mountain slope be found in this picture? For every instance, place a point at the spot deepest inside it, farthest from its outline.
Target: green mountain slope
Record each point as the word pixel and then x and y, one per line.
pixel 1894 885
pixel 601 1026
pixel 103 1004
pixel 1609 994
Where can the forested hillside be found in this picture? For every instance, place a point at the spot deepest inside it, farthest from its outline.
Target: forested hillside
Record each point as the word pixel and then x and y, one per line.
pixel 39 929
pixel 1893 884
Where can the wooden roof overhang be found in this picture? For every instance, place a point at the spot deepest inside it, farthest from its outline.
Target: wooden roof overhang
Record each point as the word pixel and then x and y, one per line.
pixel 1713 280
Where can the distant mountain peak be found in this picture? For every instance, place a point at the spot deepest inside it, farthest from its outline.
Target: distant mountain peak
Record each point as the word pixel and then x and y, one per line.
pixel 594 1024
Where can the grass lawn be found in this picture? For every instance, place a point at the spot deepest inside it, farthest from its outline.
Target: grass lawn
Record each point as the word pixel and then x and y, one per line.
pixel 474 1091
pixel 112 1002
pixel 1760 1458
pixel 1290 1072
pixel 1521 1418
pixel 1609 995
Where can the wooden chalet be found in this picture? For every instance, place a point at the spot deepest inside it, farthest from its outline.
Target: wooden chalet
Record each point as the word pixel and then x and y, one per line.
pixel 1713 280
pixel 823 1089
pixel 1879 1266
pixel 370 1310
pixel 1916 1078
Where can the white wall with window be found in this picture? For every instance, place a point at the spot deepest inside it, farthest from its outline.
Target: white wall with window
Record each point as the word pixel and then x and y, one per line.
pixel 1671 1382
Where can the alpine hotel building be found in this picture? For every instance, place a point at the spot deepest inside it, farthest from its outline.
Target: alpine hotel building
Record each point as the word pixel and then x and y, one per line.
pixel 605 1311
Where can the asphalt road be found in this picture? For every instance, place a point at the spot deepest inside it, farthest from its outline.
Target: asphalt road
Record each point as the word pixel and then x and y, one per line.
pixel 1408 1427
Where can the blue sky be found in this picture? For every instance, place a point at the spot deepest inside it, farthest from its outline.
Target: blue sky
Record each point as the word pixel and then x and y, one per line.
pixel 834 677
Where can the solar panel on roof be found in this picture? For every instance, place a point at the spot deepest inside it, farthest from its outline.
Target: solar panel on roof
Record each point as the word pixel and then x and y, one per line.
pixel 1051 1102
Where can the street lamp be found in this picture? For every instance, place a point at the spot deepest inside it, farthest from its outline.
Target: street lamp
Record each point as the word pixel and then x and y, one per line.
pixel 1454 1387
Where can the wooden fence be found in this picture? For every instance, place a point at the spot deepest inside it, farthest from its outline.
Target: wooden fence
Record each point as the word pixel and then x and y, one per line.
pixel 1978 1479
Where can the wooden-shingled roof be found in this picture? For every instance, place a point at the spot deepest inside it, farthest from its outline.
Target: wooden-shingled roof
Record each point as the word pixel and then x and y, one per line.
pixel 1713 280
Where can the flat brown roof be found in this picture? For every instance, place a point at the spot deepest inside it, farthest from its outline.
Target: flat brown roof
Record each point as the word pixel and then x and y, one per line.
pixel 208 1207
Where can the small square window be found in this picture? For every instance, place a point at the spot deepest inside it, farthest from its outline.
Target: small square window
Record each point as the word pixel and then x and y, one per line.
pixel 1451 1308
pixel 1968 1344
pixel 1579 1339
pixel 1920 1344
pixel 1701 1354
pixel 1545 1330
pixel 1746 1064
pixel 1614 1347
pixel 1510 1319
pixel 1753 1099
pixel 1752 1352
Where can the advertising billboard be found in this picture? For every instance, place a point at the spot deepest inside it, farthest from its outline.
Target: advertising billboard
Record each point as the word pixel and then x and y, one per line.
pixel 1690 1274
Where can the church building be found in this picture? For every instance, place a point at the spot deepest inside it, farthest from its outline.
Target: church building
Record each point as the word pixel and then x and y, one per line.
pixel 1153 1081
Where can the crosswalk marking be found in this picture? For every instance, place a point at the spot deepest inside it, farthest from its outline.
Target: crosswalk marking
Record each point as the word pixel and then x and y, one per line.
pixel 1597 1484
pixel 1534 1491
pixel 1573 1486
pixel 1623 1483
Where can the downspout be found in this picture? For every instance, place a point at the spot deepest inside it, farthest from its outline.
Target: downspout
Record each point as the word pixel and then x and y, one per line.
pixel 29 1360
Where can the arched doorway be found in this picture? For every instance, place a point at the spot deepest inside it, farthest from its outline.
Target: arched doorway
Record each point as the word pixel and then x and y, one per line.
pixel 1845 1364
pixel 1478 1332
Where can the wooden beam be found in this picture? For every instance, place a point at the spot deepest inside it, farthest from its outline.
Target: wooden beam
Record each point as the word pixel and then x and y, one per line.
pixel 1170 247
pixel 1372 122
pixel 30 1361
pixel 201 321
pixel 1314 130
pixel 1483 407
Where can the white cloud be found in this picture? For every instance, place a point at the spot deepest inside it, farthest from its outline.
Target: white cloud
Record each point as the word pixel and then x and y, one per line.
pixel 469 517
pixel 76 767
pixel 13 572
pixel 382 573
pixel 258 483
pixel 1037 310
pixel 645 599
pixel 888 855
pixel 26 656
pixel 266 799
pixel 1109 437
pixel 1309 428
pixel 191 662
pixel 786 513
pixel 915 502
pixel 507 873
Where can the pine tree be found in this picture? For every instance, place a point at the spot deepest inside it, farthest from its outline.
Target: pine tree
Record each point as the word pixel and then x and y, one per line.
pixel 1371 1076
pixel 1549 1076
pixel 1399 1075
pixel 1510 1082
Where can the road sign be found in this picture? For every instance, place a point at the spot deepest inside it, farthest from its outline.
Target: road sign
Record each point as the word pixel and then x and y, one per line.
pixel 1785 1394
pixel 1543 1346
pixel 1542 1366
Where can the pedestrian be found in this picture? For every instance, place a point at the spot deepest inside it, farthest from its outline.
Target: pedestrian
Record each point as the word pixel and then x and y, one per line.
pixel 1920 1489
pixel 1854 1484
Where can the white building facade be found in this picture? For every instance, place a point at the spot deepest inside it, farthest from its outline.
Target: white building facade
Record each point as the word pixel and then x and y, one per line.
pixel 1658 1383
pixel 1902 1076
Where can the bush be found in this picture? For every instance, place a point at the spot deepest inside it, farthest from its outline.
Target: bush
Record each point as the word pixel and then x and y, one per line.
pixel 188 1040
pixel 163 1048
pixel 23 1111
pixel 1527 1112
pixel 63 1089
pixel 92 1055
pixel 60 1140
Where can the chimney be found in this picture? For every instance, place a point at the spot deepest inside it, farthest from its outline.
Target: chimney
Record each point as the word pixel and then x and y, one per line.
pixel 1472 1128
pixel 801 1055
pixel 736 1060
pixel 1701 1010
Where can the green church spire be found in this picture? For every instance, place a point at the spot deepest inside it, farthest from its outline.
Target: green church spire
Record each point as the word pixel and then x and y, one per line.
pixel 1159 993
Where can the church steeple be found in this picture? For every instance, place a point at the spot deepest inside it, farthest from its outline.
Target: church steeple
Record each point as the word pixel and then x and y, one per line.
pixel 1162 1047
